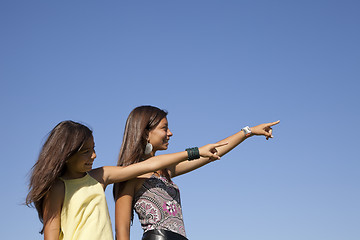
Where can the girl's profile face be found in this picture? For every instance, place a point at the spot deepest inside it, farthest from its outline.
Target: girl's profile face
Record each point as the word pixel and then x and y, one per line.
pixel 82 161
pixel 159 137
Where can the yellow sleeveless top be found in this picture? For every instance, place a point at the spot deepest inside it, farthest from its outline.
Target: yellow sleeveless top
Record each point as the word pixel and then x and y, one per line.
pixel 85 215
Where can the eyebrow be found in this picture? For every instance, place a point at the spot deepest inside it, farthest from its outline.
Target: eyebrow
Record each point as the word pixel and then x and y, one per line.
pixel 85 149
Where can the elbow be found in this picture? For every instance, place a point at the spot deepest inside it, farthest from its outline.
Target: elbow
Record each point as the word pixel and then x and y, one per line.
pixel 122 230
pixel 121 235
pixel 117 234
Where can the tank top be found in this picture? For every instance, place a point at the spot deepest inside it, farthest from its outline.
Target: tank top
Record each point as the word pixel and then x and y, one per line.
pixel 158 205
pixel 84 214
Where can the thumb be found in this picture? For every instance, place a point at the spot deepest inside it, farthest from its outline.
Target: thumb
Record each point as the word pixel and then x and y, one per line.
pixel 267 134
pixel 214 157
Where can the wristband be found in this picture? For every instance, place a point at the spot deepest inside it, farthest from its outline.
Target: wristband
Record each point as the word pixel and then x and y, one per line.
pixel 193 153
pixel 247 131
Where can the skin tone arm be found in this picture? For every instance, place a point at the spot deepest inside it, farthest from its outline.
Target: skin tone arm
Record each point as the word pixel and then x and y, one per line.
pixel 52 209
pixel 123 210
pixel 233 141
pixel 112 174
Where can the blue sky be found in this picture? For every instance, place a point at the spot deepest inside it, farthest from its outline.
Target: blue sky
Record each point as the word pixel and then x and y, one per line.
pixel 216 66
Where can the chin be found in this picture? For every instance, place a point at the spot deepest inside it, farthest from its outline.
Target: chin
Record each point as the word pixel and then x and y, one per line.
pixel 88 168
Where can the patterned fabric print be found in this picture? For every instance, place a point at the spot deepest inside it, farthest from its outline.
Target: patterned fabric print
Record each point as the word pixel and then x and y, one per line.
pixel 158 205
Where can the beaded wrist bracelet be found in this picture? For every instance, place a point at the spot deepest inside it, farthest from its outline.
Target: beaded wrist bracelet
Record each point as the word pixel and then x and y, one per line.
pixel 193 153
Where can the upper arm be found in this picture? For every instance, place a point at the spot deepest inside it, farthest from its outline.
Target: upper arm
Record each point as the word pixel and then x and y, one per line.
pixel 172 170
pixel 123 210
pixel 52 205
pixel 114 174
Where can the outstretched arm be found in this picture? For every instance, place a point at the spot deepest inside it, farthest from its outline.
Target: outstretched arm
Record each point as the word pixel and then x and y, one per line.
pixel 233 141
pixel 112 174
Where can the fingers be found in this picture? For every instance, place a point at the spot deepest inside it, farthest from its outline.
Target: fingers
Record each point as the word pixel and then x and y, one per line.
pixel 269 134
pixel 210 150
pixel 214 151
pixel 215 145
pixel 273 123
pixel 214 157
pixel 268 129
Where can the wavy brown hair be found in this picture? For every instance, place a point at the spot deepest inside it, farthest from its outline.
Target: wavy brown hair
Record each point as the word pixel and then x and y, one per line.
pixel 140 121
pixel 63 141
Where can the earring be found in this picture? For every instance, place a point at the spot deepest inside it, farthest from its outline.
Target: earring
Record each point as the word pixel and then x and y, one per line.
pixel 148 148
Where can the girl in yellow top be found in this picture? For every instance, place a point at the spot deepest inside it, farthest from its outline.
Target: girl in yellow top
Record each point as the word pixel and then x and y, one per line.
pixel 69 195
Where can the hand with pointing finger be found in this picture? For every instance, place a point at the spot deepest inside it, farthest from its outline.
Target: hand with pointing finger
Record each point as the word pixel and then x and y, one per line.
pixel 210 151
pixel 264 129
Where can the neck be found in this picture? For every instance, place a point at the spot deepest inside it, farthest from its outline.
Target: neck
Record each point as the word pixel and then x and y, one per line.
pixel 71 175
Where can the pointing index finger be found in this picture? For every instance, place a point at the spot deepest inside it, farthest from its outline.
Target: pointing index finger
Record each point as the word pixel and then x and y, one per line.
pixel 220 144
pixel 274 123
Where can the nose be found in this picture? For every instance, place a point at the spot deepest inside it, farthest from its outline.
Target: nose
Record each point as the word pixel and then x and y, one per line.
pixel 169 133
pixel 93 156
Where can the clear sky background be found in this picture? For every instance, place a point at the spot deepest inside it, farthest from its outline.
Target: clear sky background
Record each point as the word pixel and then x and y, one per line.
pixel 216 66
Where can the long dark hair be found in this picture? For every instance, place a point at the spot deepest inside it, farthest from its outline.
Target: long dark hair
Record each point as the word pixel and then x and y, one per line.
pixel 63 141
pixel 140 121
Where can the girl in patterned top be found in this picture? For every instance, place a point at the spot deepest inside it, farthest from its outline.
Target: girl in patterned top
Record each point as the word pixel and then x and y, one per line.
pixel 153 196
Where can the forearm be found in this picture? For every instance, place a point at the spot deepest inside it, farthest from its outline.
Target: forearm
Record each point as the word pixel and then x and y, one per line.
pixel 52 228
pixel 118 174
pixel 233 141
pixel 52 234
pixel 188 166
pixel 122 234
pixel 114 174
pixel 166 160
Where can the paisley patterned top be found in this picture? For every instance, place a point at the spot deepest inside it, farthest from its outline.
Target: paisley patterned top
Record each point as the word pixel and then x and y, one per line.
pixel 158 205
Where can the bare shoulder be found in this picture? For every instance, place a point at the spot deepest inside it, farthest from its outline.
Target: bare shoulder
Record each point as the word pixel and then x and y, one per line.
pixel 57 190
pixel 133 185
pixel 54 199
pixel 107 174
pixel 139 181
pixel 99 174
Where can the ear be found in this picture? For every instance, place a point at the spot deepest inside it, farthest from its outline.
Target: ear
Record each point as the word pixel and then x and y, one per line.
pixel 147 132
